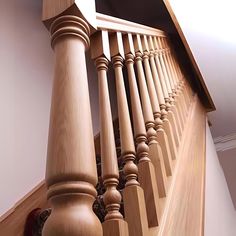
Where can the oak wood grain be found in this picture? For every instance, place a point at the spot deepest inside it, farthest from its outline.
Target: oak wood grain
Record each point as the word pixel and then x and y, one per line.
pixel 183 213
pixel 146 173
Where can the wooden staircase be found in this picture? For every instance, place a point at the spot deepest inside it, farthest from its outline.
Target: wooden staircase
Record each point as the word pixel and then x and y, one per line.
pixel 154 104
pixel 145 175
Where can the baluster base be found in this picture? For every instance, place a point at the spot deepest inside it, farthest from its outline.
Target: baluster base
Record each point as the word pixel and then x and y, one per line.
pixel 116 227
pixel 147 180
pixel 156 157
pixel 172 120
pixel 135 211
pixel 163 141
pixel 169 133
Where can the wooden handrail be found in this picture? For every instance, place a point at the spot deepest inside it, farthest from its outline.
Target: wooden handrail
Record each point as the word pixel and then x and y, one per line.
pixel 113 24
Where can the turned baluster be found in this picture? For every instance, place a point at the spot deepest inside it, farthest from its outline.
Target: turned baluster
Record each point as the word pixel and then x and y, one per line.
pixel 156 107
pixel 146 175
pixel 176 76
pixel 161 130
pixel 134 202
pixel 161 93
pixel 167 55
pixel 169 74
pixel 182 84
pixel 155 152
pixel 110 172
pixel 168 80
pixel 171 124
pixel 171 109
pixel 178 91
pixel 172 86
pixel 71 174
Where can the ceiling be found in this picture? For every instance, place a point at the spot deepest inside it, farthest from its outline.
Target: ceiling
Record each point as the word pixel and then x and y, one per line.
pixel 210 33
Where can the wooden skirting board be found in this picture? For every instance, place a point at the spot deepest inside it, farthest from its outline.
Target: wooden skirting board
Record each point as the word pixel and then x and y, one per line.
pixel 12 223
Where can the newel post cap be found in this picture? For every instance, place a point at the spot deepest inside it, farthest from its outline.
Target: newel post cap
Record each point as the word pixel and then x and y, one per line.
pixel 81 8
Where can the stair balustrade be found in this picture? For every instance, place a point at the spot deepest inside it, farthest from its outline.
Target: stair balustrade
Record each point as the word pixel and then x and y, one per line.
pixel 155 105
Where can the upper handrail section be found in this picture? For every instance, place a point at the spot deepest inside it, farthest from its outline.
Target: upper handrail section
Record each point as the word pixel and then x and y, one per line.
pixel 110 23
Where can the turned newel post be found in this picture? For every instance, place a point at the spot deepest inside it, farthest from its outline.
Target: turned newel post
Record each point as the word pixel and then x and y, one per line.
pixel 71 174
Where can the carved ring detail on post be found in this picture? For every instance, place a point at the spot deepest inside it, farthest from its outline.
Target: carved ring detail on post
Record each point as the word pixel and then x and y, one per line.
pixel 69 25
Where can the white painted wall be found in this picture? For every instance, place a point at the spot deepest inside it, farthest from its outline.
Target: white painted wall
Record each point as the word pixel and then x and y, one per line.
pixel 26 63
pixel 26 71
pixel 220 215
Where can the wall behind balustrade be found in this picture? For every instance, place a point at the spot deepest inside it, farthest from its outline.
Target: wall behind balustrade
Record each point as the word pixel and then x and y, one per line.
pixel 220 215
pixel 26 62
pixel 26 71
